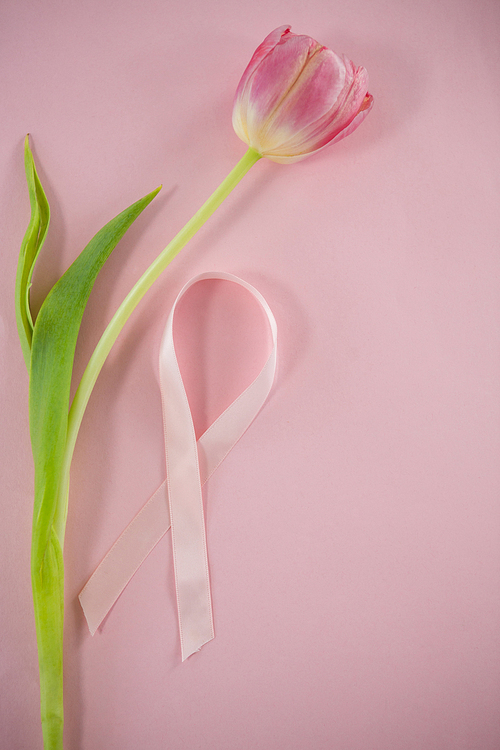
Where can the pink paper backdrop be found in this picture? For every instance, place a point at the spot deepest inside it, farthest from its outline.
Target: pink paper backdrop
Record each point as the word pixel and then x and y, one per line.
pixel 354 532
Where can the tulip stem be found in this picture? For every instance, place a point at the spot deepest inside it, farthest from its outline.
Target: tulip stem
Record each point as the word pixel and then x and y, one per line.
pixel 121 316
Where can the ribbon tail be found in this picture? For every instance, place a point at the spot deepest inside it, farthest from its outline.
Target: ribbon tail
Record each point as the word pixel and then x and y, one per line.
pixel 192 584
pixel 124 558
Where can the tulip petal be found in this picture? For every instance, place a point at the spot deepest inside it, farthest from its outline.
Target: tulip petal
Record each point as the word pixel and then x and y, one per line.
pixel 343 112
pixel 366 107
pixel 311 99
pixel 356 122
pixel 260 53
pixel 240 105
pixel 275 77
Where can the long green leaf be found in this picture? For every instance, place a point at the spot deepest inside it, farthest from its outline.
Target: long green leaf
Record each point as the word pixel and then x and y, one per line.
pixel 53 346
pixel 31 246
pixel 52 353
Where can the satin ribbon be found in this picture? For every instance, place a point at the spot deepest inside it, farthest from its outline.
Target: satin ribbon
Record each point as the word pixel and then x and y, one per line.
pixel 178 504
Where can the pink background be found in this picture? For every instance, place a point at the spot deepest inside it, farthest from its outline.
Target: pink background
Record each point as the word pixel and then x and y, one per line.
pixel 354 532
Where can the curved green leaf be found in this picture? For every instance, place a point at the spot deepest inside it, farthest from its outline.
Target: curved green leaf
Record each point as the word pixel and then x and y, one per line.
pixel 54 340
pixel 31 246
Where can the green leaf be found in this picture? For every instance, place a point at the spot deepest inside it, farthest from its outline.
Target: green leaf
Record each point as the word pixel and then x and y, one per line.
pixel 53 347
pixel 31 246
pixel 52 354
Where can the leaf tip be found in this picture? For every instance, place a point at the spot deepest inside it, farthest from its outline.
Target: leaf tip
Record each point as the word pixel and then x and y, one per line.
pixel 27 147
pixel 154 193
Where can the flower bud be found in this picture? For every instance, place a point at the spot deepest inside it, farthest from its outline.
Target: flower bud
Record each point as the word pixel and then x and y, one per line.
pixel 296 97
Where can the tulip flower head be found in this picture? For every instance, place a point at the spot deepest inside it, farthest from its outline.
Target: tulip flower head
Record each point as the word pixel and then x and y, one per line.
pixel 296 97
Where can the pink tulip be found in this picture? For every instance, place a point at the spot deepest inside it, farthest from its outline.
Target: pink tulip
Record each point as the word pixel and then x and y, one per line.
pixel 296 97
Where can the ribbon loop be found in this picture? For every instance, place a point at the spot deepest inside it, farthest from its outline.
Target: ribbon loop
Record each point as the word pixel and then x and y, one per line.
pixel 178 504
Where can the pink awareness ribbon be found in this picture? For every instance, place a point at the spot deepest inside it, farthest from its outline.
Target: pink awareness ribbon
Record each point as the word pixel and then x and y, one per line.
pixel 178 503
